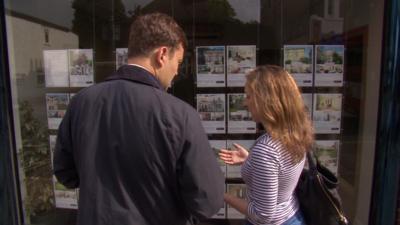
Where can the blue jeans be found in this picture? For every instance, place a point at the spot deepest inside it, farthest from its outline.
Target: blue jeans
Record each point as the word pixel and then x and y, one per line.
pixel 296 219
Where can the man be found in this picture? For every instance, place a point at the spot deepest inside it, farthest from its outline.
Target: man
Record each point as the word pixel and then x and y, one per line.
pixel 138 154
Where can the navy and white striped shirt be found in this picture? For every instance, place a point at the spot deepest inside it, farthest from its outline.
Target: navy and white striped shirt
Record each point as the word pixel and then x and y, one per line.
pixel 270 177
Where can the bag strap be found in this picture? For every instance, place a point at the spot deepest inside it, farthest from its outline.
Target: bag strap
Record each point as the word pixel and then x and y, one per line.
pixel 312 161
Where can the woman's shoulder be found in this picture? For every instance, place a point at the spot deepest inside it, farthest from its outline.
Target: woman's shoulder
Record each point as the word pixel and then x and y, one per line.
pixel 265 144
pixel 267 140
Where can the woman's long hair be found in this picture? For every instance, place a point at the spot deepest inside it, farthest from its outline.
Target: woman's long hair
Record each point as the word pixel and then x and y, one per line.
pixel 281 109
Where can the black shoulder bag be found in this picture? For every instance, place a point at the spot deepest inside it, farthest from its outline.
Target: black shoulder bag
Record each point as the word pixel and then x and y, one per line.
pixel 319 200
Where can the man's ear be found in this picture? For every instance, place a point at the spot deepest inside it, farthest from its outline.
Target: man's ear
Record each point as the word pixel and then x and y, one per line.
pixel 161 55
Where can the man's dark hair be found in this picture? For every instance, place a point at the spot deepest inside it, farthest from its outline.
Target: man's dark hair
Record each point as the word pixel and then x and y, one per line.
pixel 154 30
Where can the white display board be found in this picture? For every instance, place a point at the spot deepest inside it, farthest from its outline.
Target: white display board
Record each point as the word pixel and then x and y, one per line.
pixel 329 65
pixel 307 99
pixel 81 67
pixel 56 104
pixel 298 61
pixel 327 152
pixel 239 118
pixel 327 113
pixel 210 66
pixel 241 59
pixel 64 198
pixel 121 57
pixel 211 108
pixel 56 68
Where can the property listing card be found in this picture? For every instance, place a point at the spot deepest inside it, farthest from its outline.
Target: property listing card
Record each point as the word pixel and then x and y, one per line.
pixel 211 108
pixel 121 57
pixel 327 153
pixel 329 65
pixel 327 113
pixel 307 99
pixel 81 67
pixel 234 171
pixel 64 198
pixel 241 59
pixel 221 214
pixel 52 144
pixel 239 118
pixel 216 145
pixel 56 104
pixel 238 190
pixel 56 68
pixel 210 66
pixel 298 61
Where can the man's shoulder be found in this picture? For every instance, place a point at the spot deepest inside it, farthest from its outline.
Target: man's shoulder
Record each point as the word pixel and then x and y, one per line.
pixel 176 104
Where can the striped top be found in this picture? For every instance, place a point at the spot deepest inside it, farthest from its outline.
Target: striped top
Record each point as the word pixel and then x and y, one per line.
pixel 271 178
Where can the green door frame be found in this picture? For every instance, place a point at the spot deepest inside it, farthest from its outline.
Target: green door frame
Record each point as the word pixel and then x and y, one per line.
pixel 387 162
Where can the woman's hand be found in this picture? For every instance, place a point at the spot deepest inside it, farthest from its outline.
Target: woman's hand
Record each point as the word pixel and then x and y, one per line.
pixel 236 156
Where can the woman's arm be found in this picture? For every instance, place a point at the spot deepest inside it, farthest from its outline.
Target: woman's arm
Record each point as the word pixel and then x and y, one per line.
pixel 237 203
pixel 234 157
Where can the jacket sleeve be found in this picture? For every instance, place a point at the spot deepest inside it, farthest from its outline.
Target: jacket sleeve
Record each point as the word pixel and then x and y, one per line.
pixel 63 162
pixel 200 178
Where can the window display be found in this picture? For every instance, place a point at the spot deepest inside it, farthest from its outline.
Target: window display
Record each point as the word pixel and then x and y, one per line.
pixel 326 46
pixel 210 66
pixel 68 68
pixel 298 61
pixel 56 68
pixel 329 65
pixel 211 108
pixel 121 57
pixel 327 113
pixel 327 153
pixel 239 118
pixel 57 104
pixel 81 67
pixel 240 60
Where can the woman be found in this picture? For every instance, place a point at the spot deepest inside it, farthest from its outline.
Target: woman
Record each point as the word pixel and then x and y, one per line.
pixel 273 166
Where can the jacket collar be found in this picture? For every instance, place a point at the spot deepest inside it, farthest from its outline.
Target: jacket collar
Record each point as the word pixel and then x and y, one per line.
pixel 135 74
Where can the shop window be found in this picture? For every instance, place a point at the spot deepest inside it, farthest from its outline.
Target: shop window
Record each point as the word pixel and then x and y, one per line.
pixel 329 55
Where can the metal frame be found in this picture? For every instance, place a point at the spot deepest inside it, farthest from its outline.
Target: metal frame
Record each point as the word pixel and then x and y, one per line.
pixel 387 161
pixel 10 202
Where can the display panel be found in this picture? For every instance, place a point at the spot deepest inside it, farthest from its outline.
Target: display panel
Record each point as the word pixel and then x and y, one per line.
pixel 210 66
pixel 329 65
pixel 57 49
pixel 80 67
pixel 240 61
pixel 121 57
pixel 239 118
pixel 298 61
pixel 327 113
pixel 57 104
pixel 56 68
pixel 211 108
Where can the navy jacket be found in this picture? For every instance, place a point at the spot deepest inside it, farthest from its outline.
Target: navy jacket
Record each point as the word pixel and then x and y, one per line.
pixel 138 155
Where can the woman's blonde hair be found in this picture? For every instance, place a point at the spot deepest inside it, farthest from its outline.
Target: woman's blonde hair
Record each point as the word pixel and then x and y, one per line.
pixel 281 109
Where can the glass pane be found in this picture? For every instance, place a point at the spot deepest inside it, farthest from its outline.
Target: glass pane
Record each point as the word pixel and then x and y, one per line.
pixel 331 47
